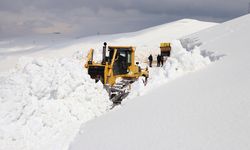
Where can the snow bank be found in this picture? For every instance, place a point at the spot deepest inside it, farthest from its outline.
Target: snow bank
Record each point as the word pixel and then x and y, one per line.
pixel 183 61
pixel 44 102
pixel 180 62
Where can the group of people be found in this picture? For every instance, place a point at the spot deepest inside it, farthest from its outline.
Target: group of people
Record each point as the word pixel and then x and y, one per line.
pixel 160 60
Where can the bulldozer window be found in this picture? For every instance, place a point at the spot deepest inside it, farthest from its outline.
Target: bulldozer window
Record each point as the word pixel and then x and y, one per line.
pixel 122 62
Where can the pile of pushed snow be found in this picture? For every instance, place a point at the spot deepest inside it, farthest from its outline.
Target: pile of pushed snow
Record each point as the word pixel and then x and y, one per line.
pixel 44 102
pixel 181 61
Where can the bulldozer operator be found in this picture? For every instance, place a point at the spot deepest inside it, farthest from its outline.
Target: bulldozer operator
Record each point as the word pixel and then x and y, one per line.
pixel 120 66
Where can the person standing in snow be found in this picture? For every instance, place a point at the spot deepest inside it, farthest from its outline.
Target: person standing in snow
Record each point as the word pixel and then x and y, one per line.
pixel 161 59
pixel 150 59
pixel 158 60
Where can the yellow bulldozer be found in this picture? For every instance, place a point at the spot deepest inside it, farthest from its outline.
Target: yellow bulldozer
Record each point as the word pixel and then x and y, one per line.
pixel 165 49
pixel 117 70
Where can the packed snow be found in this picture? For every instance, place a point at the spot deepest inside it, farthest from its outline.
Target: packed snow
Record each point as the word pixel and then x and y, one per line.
pixel 49 95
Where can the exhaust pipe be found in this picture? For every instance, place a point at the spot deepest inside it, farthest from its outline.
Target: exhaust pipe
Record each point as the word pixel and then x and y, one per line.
pixel 104 53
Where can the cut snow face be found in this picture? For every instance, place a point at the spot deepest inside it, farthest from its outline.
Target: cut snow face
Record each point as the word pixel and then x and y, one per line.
pixel 191 43
pixel 44 102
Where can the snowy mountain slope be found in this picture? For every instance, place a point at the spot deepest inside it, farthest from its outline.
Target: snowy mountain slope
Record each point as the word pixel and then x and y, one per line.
pixel 146 41
pixel 44 100
pixel 208 109
pixel 56 46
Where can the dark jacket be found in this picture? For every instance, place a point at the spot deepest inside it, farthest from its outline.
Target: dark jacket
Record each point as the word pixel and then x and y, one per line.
pixel 158 58
pixel 150 58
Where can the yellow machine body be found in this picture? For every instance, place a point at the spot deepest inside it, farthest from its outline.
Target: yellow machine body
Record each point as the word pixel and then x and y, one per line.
pixel 165 49
pixel 120 63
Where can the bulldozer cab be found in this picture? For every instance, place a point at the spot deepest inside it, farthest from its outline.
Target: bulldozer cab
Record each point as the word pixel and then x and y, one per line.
pixel 122 59
pixel 117 63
